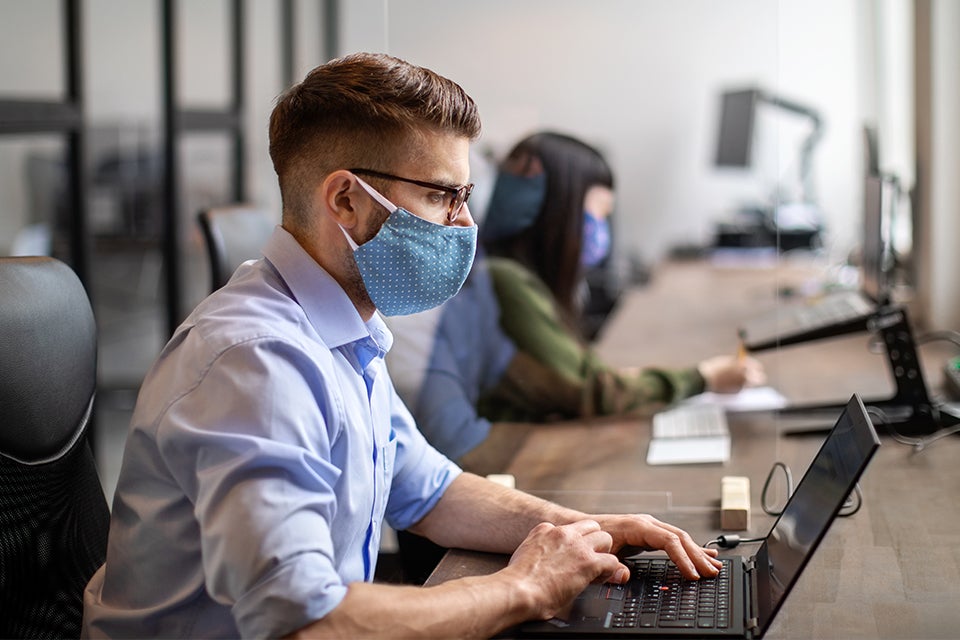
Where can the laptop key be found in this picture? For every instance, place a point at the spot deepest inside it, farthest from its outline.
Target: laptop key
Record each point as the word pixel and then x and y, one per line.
pixel 648 620
pixel 677 624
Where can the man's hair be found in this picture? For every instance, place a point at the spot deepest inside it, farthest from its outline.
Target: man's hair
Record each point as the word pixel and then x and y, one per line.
pixel 362 110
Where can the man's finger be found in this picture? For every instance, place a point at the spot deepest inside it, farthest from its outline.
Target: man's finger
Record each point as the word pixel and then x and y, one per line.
pixel 599 541
pixel 583 527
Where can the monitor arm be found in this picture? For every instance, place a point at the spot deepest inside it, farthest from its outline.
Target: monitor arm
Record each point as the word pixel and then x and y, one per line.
pixel 806 149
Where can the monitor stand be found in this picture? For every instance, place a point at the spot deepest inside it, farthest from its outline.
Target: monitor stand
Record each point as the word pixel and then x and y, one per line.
pixel 908 412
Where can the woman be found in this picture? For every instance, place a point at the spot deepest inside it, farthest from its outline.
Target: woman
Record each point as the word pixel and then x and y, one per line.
pixel 547 222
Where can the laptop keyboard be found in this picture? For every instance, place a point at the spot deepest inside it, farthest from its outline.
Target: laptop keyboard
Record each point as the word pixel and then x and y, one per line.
pixel 659 597
pixel 834 309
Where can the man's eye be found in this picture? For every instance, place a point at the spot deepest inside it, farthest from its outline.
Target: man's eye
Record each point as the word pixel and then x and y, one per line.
pixel 438 198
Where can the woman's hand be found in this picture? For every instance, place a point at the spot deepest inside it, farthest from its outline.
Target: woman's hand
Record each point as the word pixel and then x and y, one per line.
pixel 730 374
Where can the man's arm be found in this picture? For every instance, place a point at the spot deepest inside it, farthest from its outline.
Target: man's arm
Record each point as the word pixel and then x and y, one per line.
pixel 557 552
pixel 475 513
pixel 548 570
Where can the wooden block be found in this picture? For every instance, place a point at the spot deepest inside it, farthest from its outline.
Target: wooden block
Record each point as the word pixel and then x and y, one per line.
pixel 505 479
pixel 735 503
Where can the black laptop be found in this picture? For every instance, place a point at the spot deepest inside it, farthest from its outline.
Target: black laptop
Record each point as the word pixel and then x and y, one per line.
pixel 844 312
pixel 743 600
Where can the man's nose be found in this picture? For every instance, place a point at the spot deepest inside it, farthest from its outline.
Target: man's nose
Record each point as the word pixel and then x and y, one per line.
pixel 464 219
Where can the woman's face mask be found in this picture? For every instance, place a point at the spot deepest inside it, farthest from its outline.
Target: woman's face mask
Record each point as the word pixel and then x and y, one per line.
pixel 412 265
pixel 596 240
pixel 515 203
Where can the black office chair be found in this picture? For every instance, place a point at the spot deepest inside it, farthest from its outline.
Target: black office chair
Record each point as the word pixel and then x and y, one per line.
pixel 54 518
pixel 233 234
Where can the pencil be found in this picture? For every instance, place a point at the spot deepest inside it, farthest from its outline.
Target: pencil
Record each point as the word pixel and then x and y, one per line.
pixel 741 352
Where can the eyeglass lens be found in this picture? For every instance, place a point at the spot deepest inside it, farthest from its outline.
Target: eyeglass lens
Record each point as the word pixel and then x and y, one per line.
pixel 459 199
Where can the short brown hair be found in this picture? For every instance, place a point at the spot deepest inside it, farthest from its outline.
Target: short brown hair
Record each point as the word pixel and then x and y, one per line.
pixel 361 110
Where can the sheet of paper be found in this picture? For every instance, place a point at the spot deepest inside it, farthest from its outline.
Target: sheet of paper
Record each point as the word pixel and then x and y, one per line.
pixel 749 399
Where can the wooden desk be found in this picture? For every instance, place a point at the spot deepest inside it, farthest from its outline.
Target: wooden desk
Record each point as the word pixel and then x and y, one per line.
pixel 890 571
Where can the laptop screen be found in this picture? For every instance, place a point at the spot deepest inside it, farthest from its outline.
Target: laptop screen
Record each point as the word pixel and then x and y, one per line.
pixel 814 505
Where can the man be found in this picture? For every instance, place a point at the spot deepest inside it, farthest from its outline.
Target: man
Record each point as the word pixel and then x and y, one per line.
pixel 268 443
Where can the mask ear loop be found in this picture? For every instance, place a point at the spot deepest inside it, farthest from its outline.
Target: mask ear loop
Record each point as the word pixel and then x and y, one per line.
pixel 353 243
pixel 376 195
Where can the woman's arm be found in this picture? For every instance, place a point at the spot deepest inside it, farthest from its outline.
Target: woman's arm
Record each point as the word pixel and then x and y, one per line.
pixel 530 318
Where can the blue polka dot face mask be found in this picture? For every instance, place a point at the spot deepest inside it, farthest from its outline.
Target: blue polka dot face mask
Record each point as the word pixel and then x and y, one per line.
pixel 412 265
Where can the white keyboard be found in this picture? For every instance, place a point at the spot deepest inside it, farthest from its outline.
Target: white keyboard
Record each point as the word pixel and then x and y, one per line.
pixel 690 434
pixel 694 421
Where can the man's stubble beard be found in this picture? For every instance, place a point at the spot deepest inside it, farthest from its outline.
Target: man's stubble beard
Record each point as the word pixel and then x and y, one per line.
pixel 353 281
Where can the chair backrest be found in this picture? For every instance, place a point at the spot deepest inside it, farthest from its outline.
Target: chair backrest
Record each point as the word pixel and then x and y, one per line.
pixel 233 234
pixel 54 518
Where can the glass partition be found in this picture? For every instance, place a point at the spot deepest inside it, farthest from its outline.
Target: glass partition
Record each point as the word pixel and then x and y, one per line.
pixel 35 219
pixel 643 82
pixel 32 31
pixel 700 246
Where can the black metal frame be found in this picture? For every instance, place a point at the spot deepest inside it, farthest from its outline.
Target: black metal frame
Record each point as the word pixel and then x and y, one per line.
pixel 910 410
pixel 21 116
pixel 329 27
pixel 288 35
pixel 178 122
pixel 18 117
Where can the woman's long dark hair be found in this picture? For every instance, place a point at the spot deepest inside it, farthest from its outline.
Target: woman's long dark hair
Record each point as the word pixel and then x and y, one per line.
pixel 551 246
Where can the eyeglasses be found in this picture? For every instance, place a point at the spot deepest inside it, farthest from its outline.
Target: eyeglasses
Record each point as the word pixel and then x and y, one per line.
pixel 458 195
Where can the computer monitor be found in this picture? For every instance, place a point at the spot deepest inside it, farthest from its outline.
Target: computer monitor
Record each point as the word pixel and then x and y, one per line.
pixel 737 115
pixel 872 250
pixel 871 150
pixel 879 193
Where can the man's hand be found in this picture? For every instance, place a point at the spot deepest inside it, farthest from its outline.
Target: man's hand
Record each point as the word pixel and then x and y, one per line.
pixel 648 533
pixel 556 563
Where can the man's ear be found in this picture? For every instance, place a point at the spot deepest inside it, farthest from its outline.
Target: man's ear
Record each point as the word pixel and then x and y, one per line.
pixel 341 197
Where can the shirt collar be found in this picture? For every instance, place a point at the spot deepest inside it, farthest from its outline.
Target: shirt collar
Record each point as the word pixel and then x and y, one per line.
pixel 327 306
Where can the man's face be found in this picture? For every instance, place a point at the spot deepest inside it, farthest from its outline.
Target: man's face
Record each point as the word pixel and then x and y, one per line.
pixel 442 160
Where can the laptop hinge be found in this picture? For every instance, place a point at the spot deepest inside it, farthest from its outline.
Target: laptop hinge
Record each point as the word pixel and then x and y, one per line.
pixel 750 585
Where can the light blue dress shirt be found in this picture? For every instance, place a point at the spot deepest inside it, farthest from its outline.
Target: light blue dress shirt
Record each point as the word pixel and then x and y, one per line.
pixel 265 450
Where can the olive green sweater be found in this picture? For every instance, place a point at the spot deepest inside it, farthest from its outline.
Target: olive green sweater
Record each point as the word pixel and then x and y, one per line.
pixel 555 375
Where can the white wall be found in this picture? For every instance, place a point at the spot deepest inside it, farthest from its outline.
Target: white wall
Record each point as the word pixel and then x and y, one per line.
pixel 640 79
